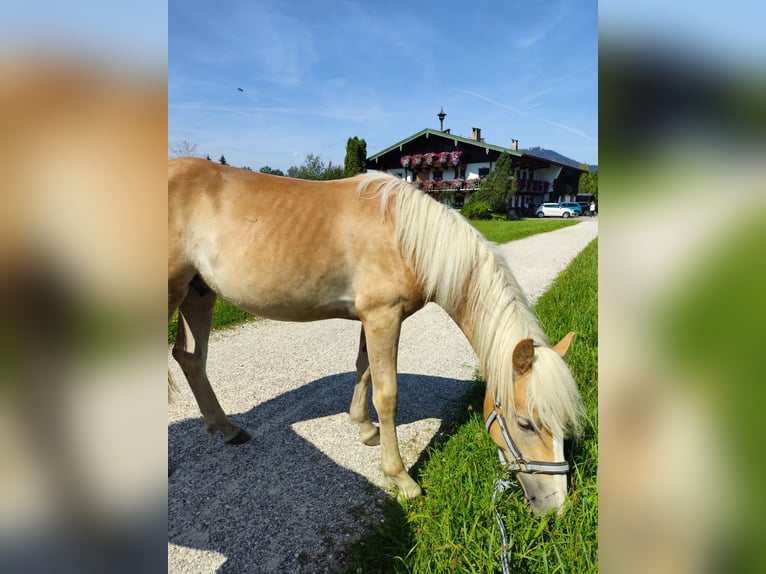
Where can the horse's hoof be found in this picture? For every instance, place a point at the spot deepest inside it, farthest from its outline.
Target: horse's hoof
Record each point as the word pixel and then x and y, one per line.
pixel 411 493
pixel 369 434
pixel 408 488
pixel 241 437
pixel 373 440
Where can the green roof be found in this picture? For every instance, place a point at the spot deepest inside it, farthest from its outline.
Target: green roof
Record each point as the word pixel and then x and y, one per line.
pixel 470 142
pixel 429 132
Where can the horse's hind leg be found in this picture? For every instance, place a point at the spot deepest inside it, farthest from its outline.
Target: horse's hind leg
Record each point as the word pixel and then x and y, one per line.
pixel 359 410
pixel 195 316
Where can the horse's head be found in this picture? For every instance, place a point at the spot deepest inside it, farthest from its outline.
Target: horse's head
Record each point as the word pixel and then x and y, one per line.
pixel 530 431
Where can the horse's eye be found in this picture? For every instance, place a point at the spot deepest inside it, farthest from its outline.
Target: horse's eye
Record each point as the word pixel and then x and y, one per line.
pixel 525 424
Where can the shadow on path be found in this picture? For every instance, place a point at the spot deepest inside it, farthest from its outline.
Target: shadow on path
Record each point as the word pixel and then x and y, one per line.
pixel 278 503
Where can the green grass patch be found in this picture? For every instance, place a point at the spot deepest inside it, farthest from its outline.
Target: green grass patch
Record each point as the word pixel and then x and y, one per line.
pixel 224 315
pixel 452 528
pixel 499 231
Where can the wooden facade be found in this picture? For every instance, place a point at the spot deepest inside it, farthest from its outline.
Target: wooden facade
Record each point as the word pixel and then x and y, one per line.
pixel 454 166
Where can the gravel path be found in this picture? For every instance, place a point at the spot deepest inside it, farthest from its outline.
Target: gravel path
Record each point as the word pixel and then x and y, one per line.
pixel 293 497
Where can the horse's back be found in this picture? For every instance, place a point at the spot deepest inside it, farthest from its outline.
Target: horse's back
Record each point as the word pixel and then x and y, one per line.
pixel 280 247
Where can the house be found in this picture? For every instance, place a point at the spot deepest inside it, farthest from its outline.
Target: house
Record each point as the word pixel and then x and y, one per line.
pixel 451 167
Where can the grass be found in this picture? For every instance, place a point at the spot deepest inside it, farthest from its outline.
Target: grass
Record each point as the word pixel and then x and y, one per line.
pixel 499 231
pixel 452 528
pixel 226 315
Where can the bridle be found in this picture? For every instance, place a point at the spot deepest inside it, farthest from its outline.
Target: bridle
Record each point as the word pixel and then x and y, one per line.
pixel 519 464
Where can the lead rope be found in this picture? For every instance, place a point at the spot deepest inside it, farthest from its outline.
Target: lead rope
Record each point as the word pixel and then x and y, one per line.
pixel 501 485
pixel 520 464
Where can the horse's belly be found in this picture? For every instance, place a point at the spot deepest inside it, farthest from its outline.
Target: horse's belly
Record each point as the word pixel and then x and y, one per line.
pixel 299 309
pixel 285 298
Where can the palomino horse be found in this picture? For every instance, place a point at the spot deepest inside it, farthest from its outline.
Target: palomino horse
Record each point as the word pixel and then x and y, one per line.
pixel 373 249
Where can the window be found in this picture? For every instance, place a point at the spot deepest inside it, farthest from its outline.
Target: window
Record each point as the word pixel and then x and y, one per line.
pixel 483 171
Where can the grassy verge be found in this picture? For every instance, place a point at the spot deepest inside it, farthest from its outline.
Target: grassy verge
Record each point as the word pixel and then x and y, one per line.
pixel 224 315
pixel 499 231
pixel 452 528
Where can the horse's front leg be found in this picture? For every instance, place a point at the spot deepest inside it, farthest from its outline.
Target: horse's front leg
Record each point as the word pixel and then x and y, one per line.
pixel 382 330
pixel 359 410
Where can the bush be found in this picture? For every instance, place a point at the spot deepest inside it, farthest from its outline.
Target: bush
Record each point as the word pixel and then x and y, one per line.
pixel 476 210
pixel 499 186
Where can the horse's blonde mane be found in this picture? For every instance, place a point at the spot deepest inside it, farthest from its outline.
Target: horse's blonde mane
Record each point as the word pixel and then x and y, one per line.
pixel 459 269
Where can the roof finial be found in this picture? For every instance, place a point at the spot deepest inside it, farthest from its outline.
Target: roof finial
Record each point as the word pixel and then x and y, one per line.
pixel 441 115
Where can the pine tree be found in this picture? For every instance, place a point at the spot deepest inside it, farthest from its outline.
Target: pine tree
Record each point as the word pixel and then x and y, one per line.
pixel 356 157
pixel 223 160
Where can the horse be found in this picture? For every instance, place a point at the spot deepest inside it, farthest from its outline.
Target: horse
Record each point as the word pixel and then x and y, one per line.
pixel 374 249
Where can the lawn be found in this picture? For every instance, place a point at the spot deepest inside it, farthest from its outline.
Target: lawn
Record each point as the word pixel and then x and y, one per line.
pixel 224 315
pixel 499 231
pixel 452 528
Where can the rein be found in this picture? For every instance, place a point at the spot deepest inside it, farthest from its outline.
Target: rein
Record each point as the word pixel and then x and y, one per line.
pixel 519 464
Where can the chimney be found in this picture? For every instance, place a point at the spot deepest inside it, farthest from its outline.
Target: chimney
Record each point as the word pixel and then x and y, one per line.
pixel 476 134
pixel 515 145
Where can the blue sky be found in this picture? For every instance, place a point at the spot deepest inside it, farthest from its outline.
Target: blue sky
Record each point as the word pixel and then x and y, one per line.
pixel 316 72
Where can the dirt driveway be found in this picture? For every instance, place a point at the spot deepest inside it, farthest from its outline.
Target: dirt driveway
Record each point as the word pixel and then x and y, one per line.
pixel 304 486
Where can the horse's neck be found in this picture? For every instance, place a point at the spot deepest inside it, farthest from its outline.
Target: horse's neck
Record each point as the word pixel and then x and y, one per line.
pixel 514 323
pixel 495 316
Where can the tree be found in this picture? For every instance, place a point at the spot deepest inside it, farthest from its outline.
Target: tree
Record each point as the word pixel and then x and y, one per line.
pixel 182 148
pixel 565 184
pixel 266 169
pixel 499 186
pixel 314 168
pixel 222 161
pixel 356 157
pixel 588 183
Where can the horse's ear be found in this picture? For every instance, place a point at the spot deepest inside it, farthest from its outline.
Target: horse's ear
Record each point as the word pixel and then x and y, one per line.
pixel 523 355
pixel 562 346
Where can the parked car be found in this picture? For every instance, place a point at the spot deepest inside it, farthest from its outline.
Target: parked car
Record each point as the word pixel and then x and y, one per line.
pixel 585 206
pixel 573 206
pixel 554 210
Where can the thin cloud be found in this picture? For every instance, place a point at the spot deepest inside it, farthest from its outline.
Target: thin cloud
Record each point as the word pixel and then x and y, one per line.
pixel 576 131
